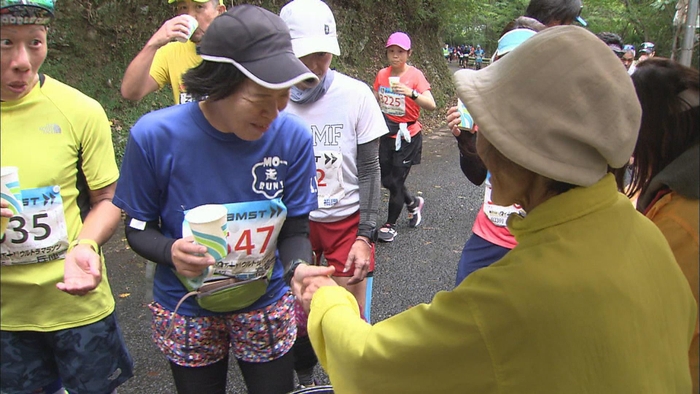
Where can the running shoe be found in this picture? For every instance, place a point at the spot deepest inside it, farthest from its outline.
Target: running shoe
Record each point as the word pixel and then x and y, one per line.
pixel 387 233
pixel 414 216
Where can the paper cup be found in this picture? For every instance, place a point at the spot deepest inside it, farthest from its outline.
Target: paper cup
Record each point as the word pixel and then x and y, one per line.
pixel 466 122
pixel 10 188
pixel 193 24
pixel 209 228
pixel 394 81
pixel 10 192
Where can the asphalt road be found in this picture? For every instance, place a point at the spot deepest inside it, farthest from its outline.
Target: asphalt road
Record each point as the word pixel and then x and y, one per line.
pixel 409 271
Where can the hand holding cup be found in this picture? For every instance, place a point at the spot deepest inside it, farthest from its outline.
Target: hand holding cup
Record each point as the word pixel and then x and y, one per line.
pixel 11 195
pixel 192 25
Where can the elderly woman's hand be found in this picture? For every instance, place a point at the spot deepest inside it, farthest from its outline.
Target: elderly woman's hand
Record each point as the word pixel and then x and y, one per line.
pixel 307 279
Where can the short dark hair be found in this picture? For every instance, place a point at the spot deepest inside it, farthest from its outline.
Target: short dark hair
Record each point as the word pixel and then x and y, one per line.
pixel 549 11
pixel 212 81
pixel 611 39
pixel 670 124
pixel 523 22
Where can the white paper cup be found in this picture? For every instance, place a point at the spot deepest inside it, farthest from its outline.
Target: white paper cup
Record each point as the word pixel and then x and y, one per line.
pixel 193 24
pixel 394 81
pixel 209 228
pixel 466 122
pixel 10 192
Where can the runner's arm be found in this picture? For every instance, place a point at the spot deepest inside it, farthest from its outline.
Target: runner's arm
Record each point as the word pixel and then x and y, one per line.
pixel 82 266
pixel 425 100
pixel 102 220
pixel 368 179
pixel 184 255
pixel 147 240
pixel 293 241
pixel 137 81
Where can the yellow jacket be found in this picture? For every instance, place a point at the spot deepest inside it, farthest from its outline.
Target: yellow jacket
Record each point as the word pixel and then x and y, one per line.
pixel 590 301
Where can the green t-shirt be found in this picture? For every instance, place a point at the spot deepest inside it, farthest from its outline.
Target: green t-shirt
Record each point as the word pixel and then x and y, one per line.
pixel 61 142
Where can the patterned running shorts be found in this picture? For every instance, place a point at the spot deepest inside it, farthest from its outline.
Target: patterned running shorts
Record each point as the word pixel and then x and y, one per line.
pixel 257 336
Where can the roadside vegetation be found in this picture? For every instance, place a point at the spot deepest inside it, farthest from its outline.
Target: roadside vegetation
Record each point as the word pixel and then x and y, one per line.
pixel 93 41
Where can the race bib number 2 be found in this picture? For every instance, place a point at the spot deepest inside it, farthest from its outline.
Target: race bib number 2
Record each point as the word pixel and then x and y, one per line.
pixel 38 234
pixel 329 176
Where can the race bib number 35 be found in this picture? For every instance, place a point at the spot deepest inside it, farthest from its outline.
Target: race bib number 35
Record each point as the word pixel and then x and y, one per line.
pixel 38 234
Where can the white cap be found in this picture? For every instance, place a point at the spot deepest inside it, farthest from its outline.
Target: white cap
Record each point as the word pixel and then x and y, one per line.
pixel 312 27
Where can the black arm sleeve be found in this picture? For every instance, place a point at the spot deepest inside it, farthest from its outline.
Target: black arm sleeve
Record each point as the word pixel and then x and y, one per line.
pixel 150 242
pixel 293 241
pixel 368 177
pixel 469 162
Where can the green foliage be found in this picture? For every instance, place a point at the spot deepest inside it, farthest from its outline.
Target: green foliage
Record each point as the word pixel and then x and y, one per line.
pixel 636 21
pixel 93 41
pixel 480 22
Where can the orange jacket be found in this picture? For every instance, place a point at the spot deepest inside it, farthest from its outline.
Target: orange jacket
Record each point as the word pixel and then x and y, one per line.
pixel 672 202
pixel 677 218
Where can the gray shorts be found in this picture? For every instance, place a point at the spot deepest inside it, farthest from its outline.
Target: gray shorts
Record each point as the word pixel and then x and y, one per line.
pixel 91 359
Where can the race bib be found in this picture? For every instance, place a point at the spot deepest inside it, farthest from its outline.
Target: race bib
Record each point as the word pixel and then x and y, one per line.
pixel 392 103
pixel 185 98
pixel 329 177
pixel 253 228
pixel 498 214
pixel 38 234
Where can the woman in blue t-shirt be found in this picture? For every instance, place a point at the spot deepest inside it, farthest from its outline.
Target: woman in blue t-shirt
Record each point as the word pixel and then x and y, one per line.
pixel 237 149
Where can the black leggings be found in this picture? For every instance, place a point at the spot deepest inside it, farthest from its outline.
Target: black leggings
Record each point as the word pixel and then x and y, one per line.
pixel 394 179
pixel 272 377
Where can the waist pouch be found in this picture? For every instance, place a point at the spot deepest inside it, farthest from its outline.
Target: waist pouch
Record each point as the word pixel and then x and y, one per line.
pixel 223 295
pixel 393 126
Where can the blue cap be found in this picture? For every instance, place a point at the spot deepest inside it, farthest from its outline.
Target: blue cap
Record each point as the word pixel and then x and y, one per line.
pixel 581 21
pixel 512 39
pixel 647 47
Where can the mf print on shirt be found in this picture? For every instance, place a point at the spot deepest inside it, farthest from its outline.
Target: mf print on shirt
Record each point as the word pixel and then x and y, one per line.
pixel 329 135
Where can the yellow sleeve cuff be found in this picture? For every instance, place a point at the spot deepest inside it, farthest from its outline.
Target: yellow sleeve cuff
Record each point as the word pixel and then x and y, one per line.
pixel 90 242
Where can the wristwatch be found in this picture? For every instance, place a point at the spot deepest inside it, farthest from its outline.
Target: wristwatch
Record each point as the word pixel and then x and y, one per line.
pixel 414 94
pixel 289 274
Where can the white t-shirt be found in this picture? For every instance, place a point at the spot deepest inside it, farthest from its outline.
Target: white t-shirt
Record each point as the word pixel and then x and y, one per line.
pixel 346 116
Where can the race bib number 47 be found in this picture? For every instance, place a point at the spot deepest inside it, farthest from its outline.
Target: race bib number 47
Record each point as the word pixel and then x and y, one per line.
pixel 38 234
pixel 253 228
